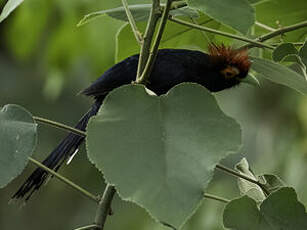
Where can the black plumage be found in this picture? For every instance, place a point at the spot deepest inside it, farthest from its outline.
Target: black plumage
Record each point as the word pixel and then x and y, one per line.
pixel 221 69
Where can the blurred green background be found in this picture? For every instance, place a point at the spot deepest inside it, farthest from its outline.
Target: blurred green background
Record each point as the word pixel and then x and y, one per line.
pixel 45 60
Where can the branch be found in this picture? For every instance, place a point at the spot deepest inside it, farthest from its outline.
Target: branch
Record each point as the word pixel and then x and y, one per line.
pixel 149 32
pixel 217 198
pixel 65 180
pixel 103 208
pixel 60 126
pixel 153 54
pixel 237 174
pixel 276 33
pixel 282 31
pixel 137 33
pixel 225 34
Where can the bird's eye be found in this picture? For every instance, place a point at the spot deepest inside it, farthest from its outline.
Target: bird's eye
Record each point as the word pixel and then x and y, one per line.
pixel 230 72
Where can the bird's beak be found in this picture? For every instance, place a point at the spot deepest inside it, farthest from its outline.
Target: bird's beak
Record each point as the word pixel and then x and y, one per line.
pixel 251 80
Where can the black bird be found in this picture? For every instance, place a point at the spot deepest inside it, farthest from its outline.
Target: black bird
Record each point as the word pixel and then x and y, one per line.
pixel 222 68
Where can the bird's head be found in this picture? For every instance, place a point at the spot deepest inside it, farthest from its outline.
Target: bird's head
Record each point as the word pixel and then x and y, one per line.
pixel 231 66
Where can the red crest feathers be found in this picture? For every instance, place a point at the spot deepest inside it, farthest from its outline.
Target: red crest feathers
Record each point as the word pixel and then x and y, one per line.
pixel 231 56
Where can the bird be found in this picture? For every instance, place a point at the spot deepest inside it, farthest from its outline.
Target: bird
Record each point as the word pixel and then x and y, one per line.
pixel 221 68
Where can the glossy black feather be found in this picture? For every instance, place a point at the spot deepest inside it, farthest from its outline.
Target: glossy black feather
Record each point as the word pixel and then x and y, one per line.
pixel 172 67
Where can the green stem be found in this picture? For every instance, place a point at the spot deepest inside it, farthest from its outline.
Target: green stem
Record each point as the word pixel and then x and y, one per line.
pixel 282 31
pixel 266 27
pixel 104 206
pixel 60 125
pixel 237 174
pixel 65 180
pixel 153 54
pixel 92 226
pixel 136 32
pixel 149 32
pixel 225 34
pixel 276 33
pixel 217 198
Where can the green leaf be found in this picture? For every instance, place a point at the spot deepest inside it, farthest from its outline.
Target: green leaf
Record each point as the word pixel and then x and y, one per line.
pixel 248 188
pixel 139 12
pixel 9 7
pixel 282 51
pixel 238 14
pixel 17 141
pixel 160 152
pixel 271 182
pixel 303 53
pixel 279 74
pixel 281 210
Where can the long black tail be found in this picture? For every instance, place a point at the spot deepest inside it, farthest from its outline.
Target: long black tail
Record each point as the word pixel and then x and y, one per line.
pixel 66 149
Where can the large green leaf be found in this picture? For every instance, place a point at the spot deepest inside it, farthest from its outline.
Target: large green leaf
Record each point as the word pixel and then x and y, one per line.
pixel 8 8
pixel 281 210
pixel 17 141
pixel 160 152
pixel 279 74
pixel 238 14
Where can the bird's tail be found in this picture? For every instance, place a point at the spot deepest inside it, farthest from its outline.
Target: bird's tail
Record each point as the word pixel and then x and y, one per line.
pixel 64 151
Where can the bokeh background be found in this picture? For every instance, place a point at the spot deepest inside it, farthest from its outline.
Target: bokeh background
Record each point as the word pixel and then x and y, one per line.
pixel 45 60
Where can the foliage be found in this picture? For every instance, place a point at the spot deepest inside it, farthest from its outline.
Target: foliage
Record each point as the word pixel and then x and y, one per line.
pixel 168 151
pixel 18 140
pixel 162 167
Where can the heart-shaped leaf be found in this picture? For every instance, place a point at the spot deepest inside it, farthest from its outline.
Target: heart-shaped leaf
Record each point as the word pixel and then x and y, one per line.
pixel 160 152
pixel 17 141
pixel 281 210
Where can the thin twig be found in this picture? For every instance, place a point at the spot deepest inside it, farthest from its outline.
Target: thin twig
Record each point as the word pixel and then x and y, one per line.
pixel 104 206
pixel 218 198
pixel 60 125
pixel 89 227
pixel 266 27
pixel 283 30
pixel 65 180
pixel 149 32
pixel 225 34
pixel 136 32
pixel 153 54
pixel 237 174
pixel 276 33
